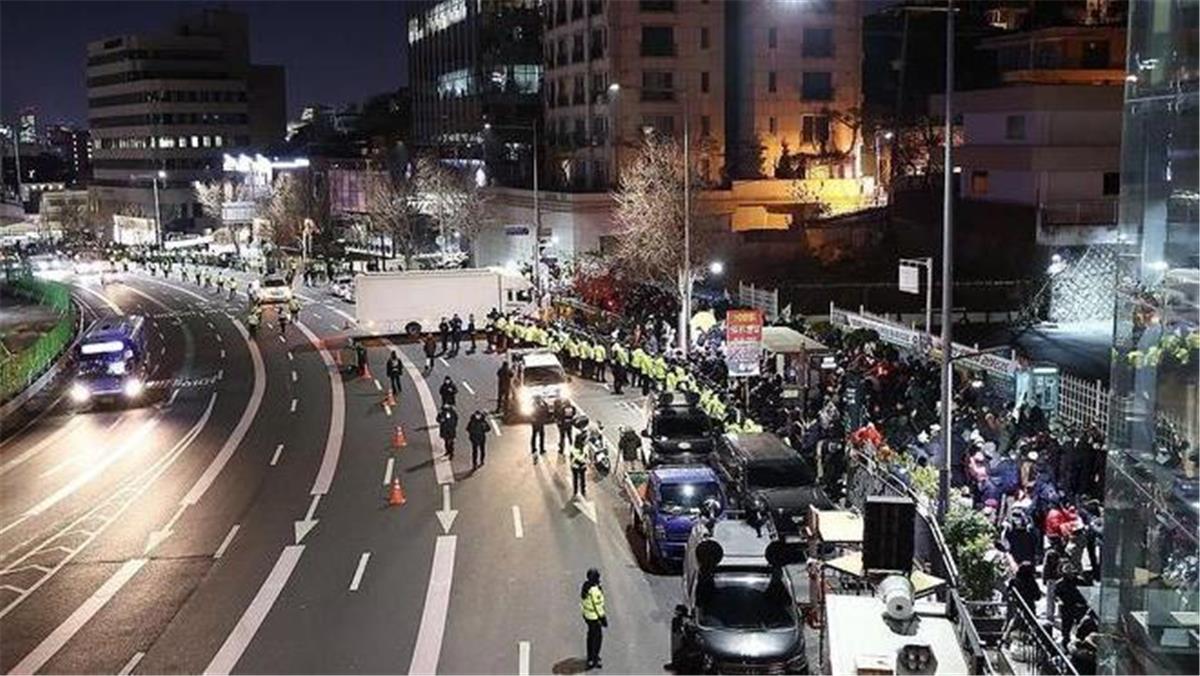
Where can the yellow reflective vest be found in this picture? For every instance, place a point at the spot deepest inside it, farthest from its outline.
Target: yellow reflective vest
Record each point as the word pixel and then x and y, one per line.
pixel 592 604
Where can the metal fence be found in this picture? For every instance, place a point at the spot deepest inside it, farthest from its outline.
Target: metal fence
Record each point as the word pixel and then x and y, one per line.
pixel 766 300
pixel 1081 402
pixel 20 369
pixel 1027 646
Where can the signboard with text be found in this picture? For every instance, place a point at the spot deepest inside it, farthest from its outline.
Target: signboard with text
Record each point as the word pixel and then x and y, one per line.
pixel 910 278
pixel 743 342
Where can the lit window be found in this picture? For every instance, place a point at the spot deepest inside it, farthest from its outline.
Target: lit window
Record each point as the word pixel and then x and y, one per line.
pixel 218 141
pixel 195 141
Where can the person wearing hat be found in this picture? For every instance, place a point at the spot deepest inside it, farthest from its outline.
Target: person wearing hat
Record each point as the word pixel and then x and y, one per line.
pixel 591 606
pixel 477 430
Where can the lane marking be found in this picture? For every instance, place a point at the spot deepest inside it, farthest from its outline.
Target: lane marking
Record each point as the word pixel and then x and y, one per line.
pixel 495 426
pixel 64 632
pixel 220 374
pixel 437 602
pixel 162 350
pixel 290 357
pixel 523 658
pixel 282 339
pixel 239 639
pixel 468 388
pixel 444 362
pixel 293 376
pixel 275 457
pixel 441 464
pixel 51 438
pixel 226 542
pixel 387 471
pixel 337 416
pixel 104 299
pixel 293 405
pixel 234 439
pixel 334 326
pixel 222 353
pixel 387 409
pixel 219 338
pixel 210 325
pixel 131 664
pixel 518 527
pixel 358 572
pixel 94 470
pixel 377 385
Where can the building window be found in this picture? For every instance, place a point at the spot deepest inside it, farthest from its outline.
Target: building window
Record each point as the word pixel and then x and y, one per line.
pixel 818 42
pixel 706 126
pixel 599 130
pixel 772 37
pixel 704 82
pixel 576 9
pixel 658 41
pixel 577 97
pixel 814 129
pixel 817 86
pixel 577 48
pixel 657 5
pixel 659 124
pixel 595 7
pixel 1014 127
pixel 658 85
pixel 562 51
pixel 771 126
pixel 596 49
pixel 527 77
pixel 771 82
pixel 704 37
pixel 979 182
pixel 1112 183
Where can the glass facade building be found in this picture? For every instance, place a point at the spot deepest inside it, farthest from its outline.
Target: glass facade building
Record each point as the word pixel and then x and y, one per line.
pixel 1148 602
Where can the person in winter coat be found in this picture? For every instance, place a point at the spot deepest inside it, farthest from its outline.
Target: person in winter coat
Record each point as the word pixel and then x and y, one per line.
pixel 447 420
pixel 477 430
pixel 394 370
pixel 449 391
pixel 431 348
pixel 566 424
pixel 591 605
pixel 503 382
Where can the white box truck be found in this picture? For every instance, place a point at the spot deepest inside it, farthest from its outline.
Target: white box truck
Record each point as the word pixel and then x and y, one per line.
pixel 389 303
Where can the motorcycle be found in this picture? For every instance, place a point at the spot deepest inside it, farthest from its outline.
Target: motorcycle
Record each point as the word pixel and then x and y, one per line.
pixel 596 444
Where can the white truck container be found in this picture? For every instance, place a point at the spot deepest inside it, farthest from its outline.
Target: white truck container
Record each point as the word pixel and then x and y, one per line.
pixel 388 303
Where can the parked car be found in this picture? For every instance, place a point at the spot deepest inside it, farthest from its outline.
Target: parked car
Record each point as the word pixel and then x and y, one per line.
pixel 342 287
pixel 272 289
pixel 762 474
pixel 680 432
pixel 539 387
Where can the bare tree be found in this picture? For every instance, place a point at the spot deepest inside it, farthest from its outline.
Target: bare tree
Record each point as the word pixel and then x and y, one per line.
pixel 392 210
pixel 213 196
pixel 650 219
pixel 451 197
pixel 74 220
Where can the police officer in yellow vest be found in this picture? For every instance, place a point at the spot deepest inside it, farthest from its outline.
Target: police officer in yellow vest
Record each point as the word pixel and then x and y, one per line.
pixel 620 366
pixel 591 605
pixel 600 358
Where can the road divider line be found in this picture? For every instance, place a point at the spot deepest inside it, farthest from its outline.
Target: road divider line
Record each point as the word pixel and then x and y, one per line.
pixel 239 639
pixel 40 446
pixel 294 377
pixel 64 632
pixel 275 457
pixel 518 527
pixel 444 362
pixel 290 355
pixel 441 465
pixel 104 299
pixel 495 426
pixel 358 572
pixel 428 648
pixel 468 388
pixel 227 541
pixel 222 353
pixel 388 470
pixel 337 417
pixel 235 437
pixel 293 409
pixel 523 658
pixel 282 339
pixel 131 664
pixel 377 385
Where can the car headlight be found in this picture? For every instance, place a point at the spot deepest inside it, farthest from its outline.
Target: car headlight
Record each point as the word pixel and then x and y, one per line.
pixel 80 393
pixel 133 387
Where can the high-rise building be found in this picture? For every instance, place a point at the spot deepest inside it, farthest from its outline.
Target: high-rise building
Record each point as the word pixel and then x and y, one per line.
pixel 470 64
pixel 755 81
pixel 176 103
pixel 1148 584
pixel 29 127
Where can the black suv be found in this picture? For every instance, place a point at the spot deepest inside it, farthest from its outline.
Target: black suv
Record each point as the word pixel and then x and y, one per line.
pixel 760 472
pixel 680 432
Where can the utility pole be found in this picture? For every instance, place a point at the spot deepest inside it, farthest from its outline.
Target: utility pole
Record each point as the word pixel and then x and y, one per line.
pixel 947 270
pixel 685 318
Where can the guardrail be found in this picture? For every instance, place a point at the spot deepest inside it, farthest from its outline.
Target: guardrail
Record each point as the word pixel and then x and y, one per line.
pixel 1027 646
pixel 20 369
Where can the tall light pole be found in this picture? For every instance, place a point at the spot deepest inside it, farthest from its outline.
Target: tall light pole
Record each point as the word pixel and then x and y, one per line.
pixel 947 269
pixel 154 179
pixel 537 207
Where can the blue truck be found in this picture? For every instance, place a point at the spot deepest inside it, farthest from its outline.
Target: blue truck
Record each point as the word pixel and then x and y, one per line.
pixel 665 502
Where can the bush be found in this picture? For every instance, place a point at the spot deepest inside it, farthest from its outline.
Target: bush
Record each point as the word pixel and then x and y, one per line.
pixel 969 537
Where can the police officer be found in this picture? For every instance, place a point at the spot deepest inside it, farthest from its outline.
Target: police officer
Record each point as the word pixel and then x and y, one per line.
pixel 579 460
pixel 566 424
pixel 477 429
pixel 394 369
pixel 471 331
pixel 620 359
pixel 503 383
pixel 449 391
pixel 447 421
pixel 456 326
pixel 600 357
pixel 591 605
pixel 430 352
pixel 537 432
pixel 444 333
pixel 252 322
pixel 360 358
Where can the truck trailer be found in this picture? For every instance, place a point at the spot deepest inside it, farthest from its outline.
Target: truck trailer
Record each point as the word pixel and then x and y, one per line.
pixel 389 303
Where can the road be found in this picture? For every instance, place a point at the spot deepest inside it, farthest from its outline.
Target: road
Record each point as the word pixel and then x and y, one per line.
pixel 238 521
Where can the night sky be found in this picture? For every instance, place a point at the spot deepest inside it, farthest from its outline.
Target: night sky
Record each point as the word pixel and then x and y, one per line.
pixel 333 52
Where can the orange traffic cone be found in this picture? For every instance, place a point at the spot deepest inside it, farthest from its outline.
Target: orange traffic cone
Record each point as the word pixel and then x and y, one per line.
pixel 398 439
pixel 396 494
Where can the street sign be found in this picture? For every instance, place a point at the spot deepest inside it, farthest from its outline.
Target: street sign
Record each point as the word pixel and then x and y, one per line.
pixel 910 278
pixel 743 342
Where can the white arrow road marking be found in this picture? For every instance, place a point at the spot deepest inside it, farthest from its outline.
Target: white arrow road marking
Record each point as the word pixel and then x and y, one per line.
pixel 304 526
pixel 275 457
pixel 518 528
pixel 445 515
pixel 157 536
pixel 65 631
pixel 468 388
pixel 131 664
pixel 293 408
pixel 358 572
pixel 428 649
pixel 238 640
pixel 586 506
pixel 523 658
pixel 387 471
pixel 226 542
pixel 239 431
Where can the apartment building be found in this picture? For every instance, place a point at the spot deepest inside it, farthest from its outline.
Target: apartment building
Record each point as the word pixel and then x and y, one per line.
pixel 167 107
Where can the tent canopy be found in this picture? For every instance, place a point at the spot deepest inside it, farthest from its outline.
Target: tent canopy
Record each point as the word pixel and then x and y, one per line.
pixel 786 340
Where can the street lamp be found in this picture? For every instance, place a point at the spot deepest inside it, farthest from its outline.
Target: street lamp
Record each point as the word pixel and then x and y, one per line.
pixel 154 179
pixel 537 207
pixel 716 268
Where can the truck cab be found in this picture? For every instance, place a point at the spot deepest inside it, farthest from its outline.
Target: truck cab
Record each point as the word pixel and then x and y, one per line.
pixel 680 432
pixel 739 613
pixel 761 473
pixel 667 502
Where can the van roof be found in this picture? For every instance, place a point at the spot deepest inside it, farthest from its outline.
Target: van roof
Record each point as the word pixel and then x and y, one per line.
pixel 760 446
pixel 115 328
pixel 741 543
pixel 541 360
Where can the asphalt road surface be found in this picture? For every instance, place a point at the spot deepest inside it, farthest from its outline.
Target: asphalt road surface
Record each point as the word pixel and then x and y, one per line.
pixel 237 521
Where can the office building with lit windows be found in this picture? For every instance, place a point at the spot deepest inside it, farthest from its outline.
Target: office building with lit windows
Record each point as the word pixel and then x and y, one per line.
pixel 176 103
